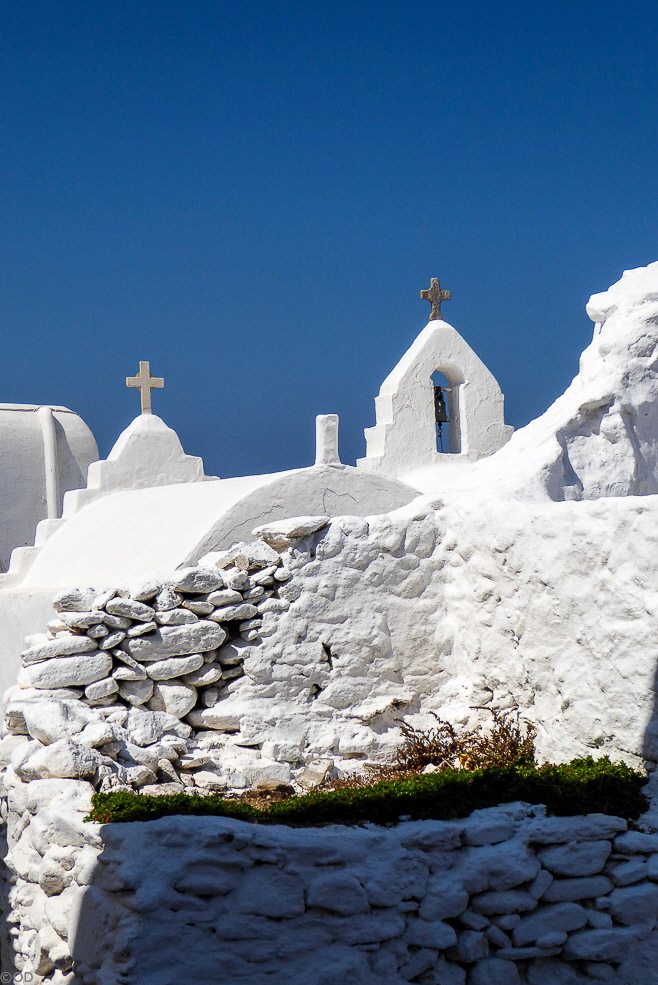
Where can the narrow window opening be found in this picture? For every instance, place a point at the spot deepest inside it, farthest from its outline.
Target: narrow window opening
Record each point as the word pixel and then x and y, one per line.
pixel 443 413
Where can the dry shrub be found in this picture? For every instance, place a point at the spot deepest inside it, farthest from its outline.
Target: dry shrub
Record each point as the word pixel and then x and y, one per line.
pixel 508 742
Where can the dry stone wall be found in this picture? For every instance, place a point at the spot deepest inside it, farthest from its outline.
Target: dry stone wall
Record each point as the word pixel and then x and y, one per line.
pixel 505 897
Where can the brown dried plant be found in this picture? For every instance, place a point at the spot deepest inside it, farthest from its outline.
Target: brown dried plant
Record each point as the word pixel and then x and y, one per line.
pixel 508 742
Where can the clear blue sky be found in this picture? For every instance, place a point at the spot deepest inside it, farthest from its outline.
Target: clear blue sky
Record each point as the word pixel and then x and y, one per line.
pixel 251 195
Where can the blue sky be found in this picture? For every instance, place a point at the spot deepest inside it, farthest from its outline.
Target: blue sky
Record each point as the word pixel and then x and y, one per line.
pixel 252 194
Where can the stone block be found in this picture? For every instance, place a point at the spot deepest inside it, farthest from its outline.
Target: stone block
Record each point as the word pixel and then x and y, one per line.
pixel 176 641
pixel 339 893
pixel 634 904
pixel 585 887
pixel 560 917
pixel 576 858
pixel 494 971
pixel 590 827
pixel 70 671
pixel 436 934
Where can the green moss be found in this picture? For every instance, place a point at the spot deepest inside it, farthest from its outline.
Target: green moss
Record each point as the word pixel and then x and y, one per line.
pixel 584 786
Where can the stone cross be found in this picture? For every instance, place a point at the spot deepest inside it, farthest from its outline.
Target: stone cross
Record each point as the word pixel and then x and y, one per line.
pixel 145 383
pixel 435 296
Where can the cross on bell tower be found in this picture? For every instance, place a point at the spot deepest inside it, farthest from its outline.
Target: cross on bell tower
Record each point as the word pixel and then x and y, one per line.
pixel 435 296
pixel 144 382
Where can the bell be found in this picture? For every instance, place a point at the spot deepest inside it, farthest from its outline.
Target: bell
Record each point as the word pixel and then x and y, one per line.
pixel 440 409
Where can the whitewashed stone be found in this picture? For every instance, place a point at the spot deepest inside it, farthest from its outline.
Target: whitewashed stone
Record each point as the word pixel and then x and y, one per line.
pixel 81 620
pixel 75 600
pixel 592 827
pixel 586 887
pixel 60 647
pixel 175 641
pixel 98 632
pixel 232 612
pixel 437 934
pixel 165 670
pixel 146 591
pixel 197 581
pixel 234 578
pixel 129 609
pixel 495 971
pixel 576 858
pixel 281 533
pixel 636 842
pixel 113 640
pixel 70 671
pixel 167 599
pixel 254 556
pixel 116 622
pixel 140 629
pixel 101 689
pixel 225 596
pixel 215 718
pixel 206 674
pixel 556 917
pixel 600 945
pixel 176 699
pixel 198 606
pixel 634 904
pixel 136 692
pixel 50 720
pixel 176 617
pixel 64 758
pixel 128 674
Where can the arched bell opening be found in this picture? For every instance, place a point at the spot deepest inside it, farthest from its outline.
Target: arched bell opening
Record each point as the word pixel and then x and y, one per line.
pixel 446 413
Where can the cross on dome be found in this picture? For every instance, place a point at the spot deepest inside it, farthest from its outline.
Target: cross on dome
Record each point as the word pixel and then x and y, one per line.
pixel 435 296
pixel 145 383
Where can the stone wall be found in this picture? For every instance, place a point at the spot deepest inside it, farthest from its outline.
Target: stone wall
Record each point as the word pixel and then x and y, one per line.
pixel 506 897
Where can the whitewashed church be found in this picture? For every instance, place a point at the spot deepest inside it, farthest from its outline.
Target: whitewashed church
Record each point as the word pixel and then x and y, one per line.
pixel 167 631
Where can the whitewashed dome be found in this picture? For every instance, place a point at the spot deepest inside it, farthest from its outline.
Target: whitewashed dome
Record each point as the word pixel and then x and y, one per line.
pixel 44 452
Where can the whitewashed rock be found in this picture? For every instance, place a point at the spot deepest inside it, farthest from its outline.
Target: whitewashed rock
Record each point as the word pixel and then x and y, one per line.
pixel 576 859
pixel 147 727
pixel 113 640
pixel 136 692
pixel 175 641
pixel 215 718
pixel 586 887
pixel 225 596
pixel 130 609
pixel 98 632
pixel 116 622
pixel 165 670
pixel 234 578
pixel 81 620
pixel 64 758
pixel 70 671
pixel 146 591
pixel 208 673
pixel 634 904
pixel 198 606
pixel 48 720
pixel 176 617
pixel 167 599
pixel 255 556
pixel 176 699
pixel 282 533
pixel 101 689
pixel 140 629
pixel 197 581
pixel 591 827
pixel 128 674
pixel 556 917
pixel 230 612
pixel 60 647
pixel 75 600
pixel 233 653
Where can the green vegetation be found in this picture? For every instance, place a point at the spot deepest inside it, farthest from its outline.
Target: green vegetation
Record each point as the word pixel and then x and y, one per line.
pixel 583 786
